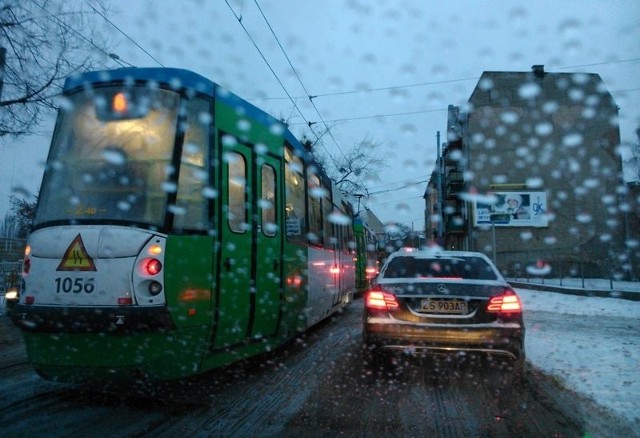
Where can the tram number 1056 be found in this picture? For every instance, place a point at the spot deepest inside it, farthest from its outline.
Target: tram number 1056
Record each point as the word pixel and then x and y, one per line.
pixel 74 285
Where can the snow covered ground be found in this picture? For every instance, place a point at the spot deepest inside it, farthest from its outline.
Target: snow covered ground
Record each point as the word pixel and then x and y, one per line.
pixel 602 365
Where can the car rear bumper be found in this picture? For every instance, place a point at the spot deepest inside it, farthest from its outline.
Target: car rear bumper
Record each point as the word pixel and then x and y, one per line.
pixel 492 339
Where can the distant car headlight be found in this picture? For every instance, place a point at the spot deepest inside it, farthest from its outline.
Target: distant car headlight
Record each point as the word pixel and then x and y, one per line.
pixel 11 295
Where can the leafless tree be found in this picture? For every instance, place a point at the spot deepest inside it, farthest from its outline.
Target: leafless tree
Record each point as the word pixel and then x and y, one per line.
pixel 634 160
pixel 352 169
pixel 41 43
pixel 25 212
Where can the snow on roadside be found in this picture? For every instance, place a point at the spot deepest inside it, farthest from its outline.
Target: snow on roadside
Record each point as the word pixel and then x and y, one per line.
pixel 597 364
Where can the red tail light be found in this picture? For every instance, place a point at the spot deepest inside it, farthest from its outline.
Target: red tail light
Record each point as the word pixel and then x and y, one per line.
pixel 371 272
pixel 125 301
pixel 508 302
pixel 26 264
pixel 378 300
pixel 153 266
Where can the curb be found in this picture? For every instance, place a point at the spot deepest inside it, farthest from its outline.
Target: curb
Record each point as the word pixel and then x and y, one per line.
pixel 601 293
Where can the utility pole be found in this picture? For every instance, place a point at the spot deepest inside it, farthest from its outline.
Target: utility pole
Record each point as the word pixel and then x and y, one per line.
pixel 439 183
pixel 3 53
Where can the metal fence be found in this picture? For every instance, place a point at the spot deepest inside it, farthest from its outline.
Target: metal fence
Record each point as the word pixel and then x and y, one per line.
pixel 9 275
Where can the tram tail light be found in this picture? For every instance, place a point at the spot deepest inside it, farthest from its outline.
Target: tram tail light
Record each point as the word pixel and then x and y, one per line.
pixel 152 267
pixel 125 301
pixel 26 263
pixel 295 281
pixel 371 272
pixel 335 269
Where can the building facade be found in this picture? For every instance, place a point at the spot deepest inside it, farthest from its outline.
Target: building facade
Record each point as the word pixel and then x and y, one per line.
pixel 532 177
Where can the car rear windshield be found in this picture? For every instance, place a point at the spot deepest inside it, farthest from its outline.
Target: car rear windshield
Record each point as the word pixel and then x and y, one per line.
pixel 474 268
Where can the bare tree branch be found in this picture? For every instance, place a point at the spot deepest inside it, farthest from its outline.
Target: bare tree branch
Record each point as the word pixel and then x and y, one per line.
pixel 352 171
pixel 45 42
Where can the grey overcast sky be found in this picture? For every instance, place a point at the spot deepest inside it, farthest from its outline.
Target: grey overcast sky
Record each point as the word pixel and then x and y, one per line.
pixel 381 70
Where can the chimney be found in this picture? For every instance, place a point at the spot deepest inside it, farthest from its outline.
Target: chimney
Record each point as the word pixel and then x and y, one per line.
pixel 538 70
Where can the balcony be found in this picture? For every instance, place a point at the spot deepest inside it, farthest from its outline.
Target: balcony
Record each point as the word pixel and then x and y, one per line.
pixel 453 153
pixel 455 224
pixel 454 183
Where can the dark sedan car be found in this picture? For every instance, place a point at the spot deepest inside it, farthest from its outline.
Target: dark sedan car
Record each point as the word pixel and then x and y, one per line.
pixel 443 302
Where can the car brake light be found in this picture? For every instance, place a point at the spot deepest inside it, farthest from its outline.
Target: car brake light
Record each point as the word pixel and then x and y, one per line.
pixel 508 302
pixel 379 300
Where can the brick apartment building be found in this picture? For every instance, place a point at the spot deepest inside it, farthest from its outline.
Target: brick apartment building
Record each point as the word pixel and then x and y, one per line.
pixel 530 174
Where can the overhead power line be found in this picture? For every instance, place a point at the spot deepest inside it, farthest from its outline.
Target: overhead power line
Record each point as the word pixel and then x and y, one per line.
pixel 399 188
pixel 264 58
pixel 433 110
pixel 309 96
pixel 125 35
pixel 444 81
pixel 52 17
pixel 620 61
pixel 370 90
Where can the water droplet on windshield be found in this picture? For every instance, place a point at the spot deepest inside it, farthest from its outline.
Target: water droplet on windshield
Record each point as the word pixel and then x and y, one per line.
pixel 169 187
pixel 529 90
pixel 544 128
pixel 338 218
pixel 114 156
pixel 584 218
pixel 535 182
pixel 243 125
pixel 509 117
pixel 572 140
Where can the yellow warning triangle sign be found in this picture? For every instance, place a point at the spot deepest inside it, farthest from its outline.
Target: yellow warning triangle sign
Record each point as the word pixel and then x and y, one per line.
pixel 76 258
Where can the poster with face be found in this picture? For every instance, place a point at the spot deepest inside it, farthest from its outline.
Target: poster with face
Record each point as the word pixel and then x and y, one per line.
pixel 513 209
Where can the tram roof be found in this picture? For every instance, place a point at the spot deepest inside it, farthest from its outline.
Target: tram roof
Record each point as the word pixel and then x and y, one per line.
pixel 176 77
pixel 181 78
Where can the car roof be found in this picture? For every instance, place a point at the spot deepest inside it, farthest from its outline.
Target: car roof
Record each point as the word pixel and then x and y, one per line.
pixel 439 254
pixel 435 253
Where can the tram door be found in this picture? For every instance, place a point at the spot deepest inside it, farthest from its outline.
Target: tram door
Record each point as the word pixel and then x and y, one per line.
pixel 251 251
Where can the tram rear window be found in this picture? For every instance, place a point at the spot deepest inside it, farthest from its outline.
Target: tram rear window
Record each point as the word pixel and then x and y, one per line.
pixel 123 104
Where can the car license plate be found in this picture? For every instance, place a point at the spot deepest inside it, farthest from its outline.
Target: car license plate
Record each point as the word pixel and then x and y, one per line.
pixel 444 306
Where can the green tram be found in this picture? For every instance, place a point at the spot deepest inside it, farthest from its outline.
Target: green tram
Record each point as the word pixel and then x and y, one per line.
pixel 178 229
pixel 367 260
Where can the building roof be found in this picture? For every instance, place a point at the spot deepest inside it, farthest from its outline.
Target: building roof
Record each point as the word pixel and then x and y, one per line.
pixel 521 88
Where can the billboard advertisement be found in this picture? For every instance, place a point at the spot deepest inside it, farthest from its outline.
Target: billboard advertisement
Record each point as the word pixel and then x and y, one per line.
pixel 513 209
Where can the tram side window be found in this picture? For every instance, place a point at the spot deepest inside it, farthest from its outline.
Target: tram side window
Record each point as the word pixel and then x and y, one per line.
pixel 327 207
pixel 268 201
pixel 295 197
pixel 191 204
pixel 315 210
pixel 349 245
pixel 237 183
pixel 351 240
